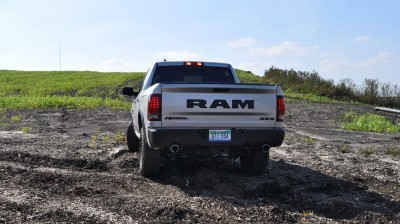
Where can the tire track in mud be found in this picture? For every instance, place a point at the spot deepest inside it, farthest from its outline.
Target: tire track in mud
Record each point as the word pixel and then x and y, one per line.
pixel 45 181
pixel 34 159
pixel 52 189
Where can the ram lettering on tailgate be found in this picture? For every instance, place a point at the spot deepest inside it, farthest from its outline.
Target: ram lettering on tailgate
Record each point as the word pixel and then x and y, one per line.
pixel 191 103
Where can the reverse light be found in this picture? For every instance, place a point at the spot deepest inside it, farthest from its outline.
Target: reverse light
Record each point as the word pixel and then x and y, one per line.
pixel 154 108
pixel 280 108
pixel 191 63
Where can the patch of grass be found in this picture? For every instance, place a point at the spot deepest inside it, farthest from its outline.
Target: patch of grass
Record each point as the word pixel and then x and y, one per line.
pixel 106 138
pixel 369 123
pixel 120 137
pixel 393 151
pixel 16 118
pixel 344 149
pixel 3 119
pixel 308 97
pixel 100 139
pixel 26 130
pixel 3 125
pixel 93 142
pixel 308 140
pixel 34 102
pixel 289 100
pixel 368 151
pixel 292 97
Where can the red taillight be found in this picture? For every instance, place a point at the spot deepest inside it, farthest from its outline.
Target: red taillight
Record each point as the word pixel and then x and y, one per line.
pixel 191 63
pixel 280 111
pixel 154 108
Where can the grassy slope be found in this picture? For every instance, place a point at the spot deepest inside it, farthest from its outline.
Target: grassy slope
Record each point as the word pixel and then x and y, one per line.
pixel 248 77
pixel 84 89
pixel 71 89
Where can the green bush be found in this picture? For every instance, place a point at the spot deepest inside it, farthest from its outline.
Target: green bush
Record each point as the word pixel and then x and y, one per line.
pixel 371 92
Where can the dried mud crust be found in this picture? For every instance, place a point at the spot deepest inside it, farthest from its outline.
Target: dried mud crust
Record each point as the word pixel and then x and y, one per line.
pixel 66 170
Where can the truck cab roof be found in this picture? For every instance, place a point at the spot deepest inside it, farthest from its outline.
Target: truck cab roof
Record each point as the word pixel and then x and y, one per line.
pixel 182 63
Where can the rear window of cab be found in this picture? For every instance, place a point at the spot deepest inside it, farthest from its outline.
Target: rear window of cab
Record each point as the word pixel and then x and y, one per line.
pixel 192 74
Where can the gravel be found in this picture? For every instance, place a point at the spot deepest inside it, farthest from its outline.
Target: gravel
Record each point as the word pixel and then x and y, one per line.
pixel 73 168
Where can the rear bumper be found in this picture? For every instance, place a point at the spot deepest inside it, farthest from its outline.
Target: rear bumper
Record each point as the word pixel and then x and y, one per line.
pixel 165 137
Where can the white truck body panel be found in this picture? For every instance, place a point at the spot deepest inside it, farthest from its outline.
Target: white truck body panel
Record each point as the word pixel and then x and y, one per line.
pixel 231 110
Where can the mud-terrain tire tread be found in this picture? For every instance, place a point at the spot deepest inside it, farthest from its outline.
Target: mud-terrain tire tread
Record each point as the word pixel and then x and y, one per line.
pixel 259 160
pixel 131 139
pixel 255 162
pixel 245 162
pixel 149 158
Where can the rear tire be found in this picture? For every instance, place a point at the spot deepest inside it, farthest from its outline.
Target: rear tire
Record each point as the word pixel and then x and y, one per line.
pixel 131 139
pixel 255 162
pixel 245 162
pixel 149 159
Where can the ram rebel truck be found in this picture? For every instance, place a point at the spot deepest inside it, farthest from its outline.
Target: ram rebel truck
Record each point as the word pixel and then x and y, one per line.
pixel 201 109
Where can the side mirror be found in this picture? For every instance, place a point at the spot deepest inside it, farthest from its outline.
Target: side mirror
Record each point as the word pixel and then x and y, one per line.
pixel 128 91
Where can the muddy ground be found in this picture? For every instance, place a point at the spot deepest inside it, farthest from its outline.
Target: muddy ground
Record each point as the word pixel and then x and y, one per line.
pixel 72 166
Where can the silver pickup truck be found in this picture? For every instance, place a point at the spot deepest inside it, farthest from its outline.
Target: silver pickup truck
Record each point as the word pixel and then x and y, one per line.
pixel 201 109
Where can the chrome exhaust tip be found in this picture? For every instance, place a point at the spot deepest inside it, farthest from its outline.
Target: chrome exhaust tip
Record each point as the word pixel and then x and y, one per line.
pixel 174 148
pixel 265 147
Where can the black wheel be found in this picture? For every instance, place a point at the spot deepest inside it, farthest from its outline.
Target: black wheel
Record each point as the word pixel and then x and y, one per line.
pixel 245 162
pixel 255 162
pixel 131 139
pixel 149 157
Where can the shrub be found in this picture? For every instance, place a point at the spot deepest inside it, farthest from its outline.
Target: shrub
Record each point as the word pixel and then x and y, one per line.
pixel 371 92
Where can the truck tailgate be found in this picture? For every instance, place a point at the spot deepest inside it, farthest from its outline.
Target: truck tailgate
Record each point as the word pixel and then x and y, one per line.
pixel 218 106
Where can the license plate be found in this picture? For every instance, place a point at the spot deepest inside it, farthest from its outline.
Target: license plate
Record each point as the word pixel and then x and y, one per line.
pixel 219 135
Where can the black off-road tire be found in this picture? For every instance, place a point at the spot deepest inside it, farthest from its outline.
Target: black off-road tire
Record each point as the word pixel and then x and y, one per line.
pixel 255 162
pixel 149 159
pixel 131 139
pixel 245 162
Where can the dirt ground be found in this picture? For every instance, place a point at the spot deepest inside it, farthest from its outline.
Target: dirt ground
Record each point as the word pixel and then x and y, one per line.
pixel 72 166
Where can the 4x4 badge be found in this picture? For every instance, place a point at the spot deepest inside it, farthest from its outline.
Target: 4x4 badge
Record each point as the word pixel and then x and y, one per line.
pixel 267 118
